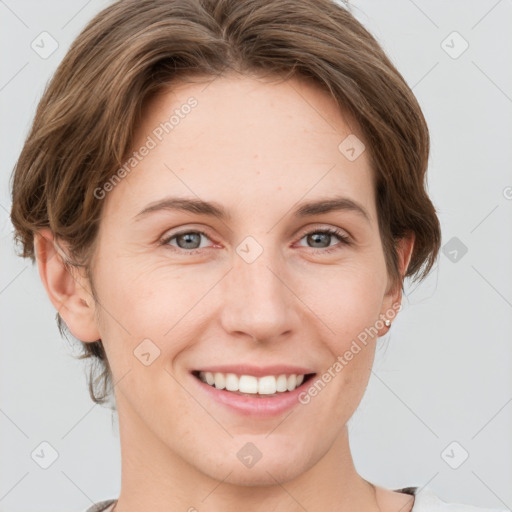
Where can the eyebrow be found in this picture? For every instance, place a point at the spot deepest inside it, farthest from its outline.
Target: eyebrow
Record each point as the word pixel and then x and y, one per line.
pixel 216 210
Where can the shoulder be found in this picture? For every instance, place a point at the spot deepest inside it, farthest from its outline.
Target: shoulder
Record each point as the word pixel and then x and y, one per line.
pixel 425 500
pixel 102 506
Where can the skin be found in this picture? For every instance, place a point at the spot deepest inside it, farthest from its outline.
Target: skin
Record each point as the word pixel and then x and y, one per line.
pixel 258 149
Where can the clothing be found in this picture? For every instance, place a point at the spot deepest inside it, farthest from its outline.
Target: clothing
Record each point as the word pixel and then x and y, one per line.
pixel 424 501
pixel 102 506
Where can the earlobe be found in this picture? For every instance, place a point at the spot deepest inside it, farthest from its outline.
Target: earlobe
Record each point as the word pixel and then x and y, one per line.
pixel 67 289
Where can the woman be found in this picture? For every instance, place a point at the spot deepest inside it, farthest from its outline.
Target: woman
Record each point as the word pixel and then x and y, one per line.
pixel 224 198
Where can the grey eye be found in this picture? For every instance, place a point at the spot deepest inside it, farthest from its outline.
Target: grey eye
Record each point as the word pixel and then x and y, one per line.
pixel 188 240
pixel 323 239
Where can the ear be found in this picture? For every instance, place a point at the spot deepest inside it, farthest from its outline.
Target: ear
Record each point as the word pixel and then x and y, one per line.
pixel 67 287
pixel 393 298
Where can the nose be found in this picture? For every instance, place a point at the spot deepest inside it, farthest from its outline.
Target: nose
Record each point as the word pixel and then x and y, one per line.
pixel 257 302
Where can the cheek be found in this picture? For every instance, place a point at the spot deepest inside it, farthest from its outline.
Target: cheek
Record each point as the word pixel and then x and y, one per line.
pixel 349 311
pixel 134 294
pixel 158 299
pixel 349 301
pixel 140 302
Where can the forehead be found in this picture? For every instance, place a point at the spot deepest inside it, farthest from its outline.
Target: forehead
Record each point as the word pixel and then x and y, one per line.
pixel 239 139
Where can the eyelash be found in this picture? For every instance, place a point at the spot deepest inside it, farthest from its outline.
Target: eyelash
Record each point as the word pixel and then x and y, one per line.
pixel 344 239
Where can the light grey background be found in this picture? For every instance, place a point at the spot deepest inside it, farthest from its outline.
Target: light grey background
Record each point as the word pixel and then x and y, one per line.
pixel 442 375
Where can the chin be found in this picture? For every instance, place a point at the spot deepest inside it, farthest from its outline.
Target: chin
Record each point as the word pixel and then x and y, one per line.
pixel 263 474
pixel 249 466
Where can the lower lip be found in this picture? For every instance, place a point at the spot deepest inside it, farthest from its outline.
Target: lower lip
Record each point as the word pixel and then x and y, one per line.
pixel 258 406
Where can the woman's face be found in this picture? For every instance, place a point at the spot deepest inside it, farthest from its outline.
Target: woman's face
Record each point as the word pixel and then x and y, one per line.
pixel 186 290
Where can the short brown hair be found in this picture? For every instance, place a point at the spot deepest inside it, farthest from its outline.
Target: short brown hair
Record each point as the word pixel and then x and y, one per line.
pixel 85 121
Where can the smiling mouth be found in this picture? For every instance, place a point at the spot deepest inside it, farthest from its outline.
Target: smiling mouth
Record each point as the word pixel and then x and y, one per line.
pixel 251 386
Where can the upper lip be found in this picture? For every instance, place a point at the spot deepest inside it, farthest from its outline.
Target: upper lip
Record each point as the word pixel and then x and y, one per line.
pixel 257 371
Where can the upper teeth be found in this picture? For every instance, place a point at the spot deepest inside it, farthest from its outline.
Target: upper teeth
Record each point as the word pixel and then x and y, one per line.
pixel 267 385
